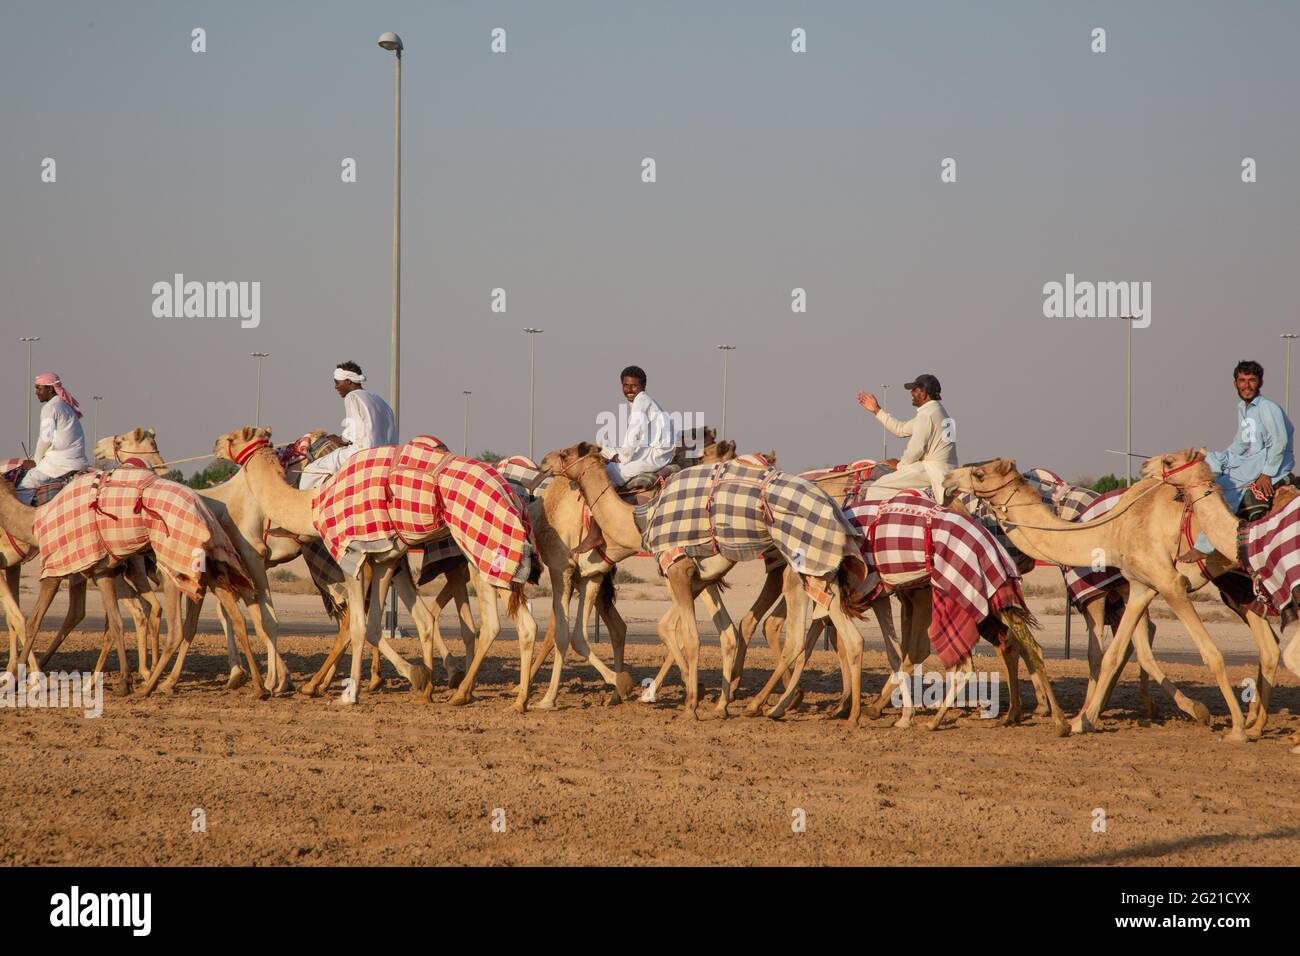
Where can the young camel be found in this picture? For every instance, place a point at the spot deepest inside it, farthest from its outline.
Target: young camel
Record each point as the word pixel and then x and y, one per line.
pixel 686 580
pixel 1140 537
pixel 291 509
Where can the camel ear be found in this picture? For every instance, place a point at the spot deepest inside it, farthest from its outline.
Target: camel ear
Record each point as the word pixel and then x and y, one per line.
pixel 585 448
pixel 771 457
pixel 1200 453
pixel 152 432
pixel 267 429
pixel 1008 466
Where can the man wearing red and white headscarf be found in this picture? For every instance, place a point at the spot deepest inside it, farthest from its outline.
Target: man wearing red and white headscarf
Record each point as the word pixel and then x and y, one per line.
pixel 61 447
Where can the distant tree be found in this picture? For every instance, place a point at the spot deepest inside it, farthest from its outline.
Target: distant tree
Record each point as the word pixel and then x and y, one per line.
pixel 1108 483
pixel 214 474
pixel 490 457
pixel 176 475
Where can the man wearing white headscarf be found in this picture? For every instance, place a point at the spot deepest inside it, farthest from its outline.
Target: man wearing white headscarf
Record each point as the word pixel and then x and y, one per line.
pixel 61 447
pixel 367 423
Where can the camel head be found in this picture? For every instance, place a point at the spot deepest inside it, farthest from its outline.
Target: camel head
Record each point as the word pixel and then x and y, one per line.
pixel 232 445
pixel 718 451
pixel 985 479
pixel 557 462
pixel 139 443
pixel 1186 467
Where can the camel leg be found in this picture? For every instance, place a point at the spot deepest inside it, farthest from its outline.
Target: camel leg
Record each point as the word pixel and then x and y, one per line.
pixel 13 618
pixel 360 626
pixel 767 597
pixel 1269 657
pixel 893 651
pixel 1178 601
pixel 1010 657
pixel 848 647
pixel 76 614
pixel 179 633
pixel 666 628
pixel 798 647
pixel 321 679
pixel 958 683
pixel 680 576
pixel 617 628
pixel 417 675
pixel 49 587
pixel 1140 598
pixel 108 594
pixel 526 629
pixel 426 622
pixel 489 628
pixel 557 632
pixel 231 604
pixel 726 638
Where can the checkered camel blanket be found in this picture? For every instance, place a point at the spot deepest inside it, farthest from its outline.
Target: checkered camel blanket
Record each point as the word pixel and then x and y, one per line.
pixel 971 576
pixel 388 498
pixel 1272 548
pixel 111 515
pixel 740 512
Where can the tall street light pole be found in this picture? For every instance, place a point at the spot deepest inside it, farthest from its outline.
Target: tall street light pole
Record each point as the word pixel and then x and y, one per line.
pixel 725 349
pixel 884 436
pixel 392 42
pixel 467 393
pixel 97 399
pixel 257 417
pixel 1288 336
pixel 27 390
pixel 532 334
pixel 1128 399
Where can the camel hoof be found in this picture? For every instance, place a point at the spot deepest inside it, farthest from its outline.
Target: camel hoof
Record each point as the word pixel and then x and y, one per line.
pixel 374 683
pixel 237 679
pixel 903 723
pixel 796 700
pixel 520 707
pixel 1235 737
pixel 260 694
pixel 874 711
pixel 932 725
pixel 1201 713
pixel 624 684
pixel 1062 728
pixel 751 710
pixel 309 690
pixel 168 687
pixel 545 703
pixel 455 675
pixel 122 688
pixel 1081 725
pixel 286 688
pixel 1296 749
pixel 460 700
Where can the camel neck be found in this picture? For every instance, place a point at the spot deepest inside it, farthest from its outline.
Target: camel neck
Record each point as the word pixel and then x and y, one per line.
pixel 287 507
pixel 1218 523
pixel 17 518
pixel 614 515
pixel 1040 533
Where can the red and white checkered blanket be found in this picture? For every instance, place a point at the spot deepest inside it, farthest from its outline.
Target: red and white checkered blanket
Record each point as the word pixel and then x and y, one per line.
pixel 1273 554
pixel 971 576
pixel 388 498
pixel 858 473
pixel 1085 585
pixel 111 515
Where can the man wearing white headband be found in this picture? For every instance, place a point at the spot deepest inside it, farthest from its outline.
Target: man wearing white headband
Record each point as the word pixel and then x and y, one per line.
pixel 368 423
pixel 61 447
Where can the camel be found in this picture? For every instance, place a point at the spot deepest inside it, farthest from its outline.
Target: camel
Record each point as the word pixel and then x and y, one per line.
pixel 133 585
pixel 1187 471
pixel 18 521
pixel 1140 536
pixel 291 509
pixel 577 562
pixel 582 464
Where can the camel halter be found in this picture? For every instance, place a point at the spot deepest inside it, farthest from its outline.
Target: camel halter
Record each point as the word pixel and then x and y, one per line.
pixel 1087 526
pixel 246 455
pixel 564 473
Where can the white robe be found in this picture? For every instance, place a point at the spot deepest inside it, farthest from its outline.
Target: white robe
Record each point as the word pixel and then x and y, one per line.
pixel 931 453
pixel 368 423
pixel 61 447
pixel 647 446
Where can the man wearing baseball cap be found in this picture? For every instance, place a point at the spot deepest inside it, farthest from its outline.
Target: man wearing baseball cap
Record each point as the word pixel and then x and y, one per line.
pixel 931 447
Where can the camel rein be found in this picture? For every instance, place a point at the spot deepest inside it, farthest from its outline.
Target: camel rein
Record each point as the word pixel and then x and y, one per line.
pixel 1088 526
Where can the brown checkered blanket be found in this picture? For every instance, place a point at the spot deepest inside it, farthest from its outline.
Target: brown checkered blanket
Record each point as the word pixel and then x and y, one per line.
pixel 739 511
pixel 388 498
pixel 112 515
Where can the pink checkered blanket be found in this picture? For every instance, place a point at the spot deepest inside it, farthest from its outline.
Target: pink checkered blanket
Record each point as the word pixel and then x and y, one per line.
pixel 388 498
pixel 971 575
pixel 1273 555
pixel 115 514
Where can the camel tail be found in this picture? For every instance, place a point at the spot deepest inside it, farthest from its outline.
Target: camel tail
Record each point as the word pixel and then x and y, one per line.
pixel 1019 623
pixel 606 592
pixel 516 599
pixel 853 602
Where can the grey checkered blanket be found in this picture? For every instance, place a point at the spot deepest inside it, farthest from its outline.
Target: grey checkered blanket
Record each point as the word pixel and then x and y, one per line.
pixel 739 511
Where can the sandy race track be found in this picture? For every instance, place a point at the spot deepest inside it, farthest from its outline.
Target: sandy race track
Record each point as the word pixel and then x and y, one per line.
pixel 398 781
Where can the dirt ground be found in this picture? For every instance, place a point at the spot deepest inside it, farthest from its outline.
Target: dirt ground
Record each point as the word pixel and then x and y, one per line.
pixel 395 780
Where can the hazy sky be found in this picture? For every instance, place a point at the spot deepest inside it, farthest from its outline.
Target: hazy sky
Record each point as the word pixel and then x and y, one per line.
pixel 775 170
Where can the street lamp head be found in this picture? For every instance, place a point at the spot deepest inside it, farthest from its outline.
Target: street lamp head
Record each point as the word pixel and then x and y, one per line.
pixel 98 398
pixel 259 354
pixel 1289 335
pixel 532 331
pixel 391 41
